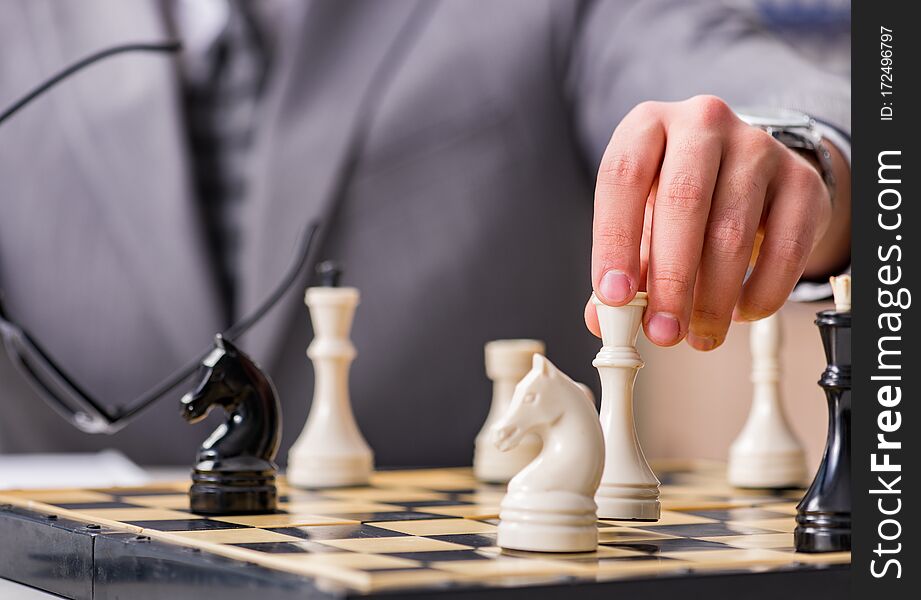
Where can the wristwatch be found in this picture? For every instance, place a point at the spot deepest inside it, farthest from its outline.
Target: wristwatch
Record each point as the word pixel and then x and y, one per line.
pixel 797 131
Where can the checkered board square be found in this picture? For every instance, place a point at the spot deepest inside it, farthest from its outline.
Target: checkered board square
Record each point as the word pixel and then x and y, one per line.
pixel 422 529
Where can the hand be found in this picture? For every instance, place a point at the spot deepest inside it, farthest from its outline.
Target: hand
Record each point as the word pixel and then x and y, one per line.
pixel 684 190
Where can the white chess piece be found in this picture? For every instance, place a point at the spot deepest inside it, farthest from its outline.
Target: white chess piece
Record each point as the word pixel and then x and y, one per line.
pixel 629 489
pixel 507 361
pixel 549 505
pixel 330 451
pixel 766 454
pixel 841 288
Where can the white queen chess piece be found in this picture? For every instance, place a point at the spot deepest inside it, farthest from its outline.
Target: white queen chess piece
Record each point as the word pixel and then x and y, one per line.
pixel 766 454
pixel 549 505
pixel 330 452
pixel 507 361
pixel 629 489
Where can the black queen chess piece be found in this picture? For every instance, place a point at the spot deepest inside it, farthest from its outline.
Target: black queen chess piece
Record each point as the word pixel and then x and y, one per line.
pixel 235 469
pixel 823 517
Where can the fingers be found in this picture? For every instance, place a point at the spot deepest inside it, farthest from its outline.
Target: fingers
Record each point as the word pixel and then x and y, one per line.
pixel 682 205
pixel 647 235
pixel 591 318
pixel 798 210
pixel 627 172
pixel 682 190
pixel 591 313
pixel 738 202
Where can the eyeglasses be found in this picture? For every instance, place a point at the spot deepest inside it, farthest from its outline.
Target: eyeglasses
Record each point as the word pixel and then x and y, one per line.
pixel 62 392
pixel 57 387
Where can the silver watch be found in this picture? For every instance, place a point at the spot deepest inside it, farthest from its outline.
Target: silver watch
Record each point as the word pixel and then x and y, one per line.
pixel 794 130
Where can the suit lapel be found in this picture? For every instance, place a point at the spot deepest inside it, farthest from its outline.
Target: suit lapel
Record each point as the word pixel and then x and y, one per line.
pixel 123 121
pixel 327 63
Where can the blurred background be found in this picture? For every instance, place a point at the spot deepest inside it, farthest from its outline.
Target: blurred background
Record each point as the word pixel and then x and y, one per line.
pixel 151 293
pixel 694 404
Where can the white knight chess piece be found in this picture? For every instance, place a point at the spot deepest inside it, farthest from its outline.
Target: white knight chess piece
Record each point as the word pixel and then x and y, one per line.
pixel 330 452
pixel 549 506
pixel 629 489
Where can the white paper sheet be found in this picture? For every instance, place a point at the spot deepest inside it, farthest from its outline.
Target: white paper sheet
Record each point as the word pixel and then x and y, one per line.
pixel 102 469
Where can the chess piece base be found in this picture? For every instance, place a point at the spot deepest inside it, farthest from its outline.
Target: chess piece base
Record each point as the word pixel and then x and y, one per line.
pixel 550 522
pixel 635 507
pixel 312 471
pixel 233 492
pixel 822 532
pixel 771 471
pixel 534 537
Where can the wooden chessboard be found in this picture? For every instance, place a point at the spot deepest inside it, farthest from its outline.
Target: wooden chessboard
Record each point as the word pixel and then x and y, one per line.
pixel 425 532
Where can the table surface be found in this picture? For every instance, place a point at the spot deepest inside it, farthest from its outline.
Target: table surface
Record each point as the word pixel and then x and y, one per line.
pixel 10 590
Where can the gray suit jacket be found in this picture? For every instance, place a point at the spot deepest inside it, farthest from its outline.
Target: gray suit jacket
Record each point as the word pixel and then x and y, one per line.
pixel 467 217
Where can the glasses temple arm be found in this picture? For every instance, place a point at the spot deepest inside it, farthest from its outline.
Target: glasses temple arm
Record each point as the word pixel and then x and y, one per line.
pixel 239 328
pixel 170 46
pixel 303 253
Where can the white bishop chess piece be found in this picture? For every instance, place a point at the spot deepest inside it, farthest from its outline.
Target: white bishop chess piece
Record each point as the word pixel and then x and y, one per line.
pixel 549 505
pixel 330 452
pixel 629 489
pixel 507 362
pixel 766 454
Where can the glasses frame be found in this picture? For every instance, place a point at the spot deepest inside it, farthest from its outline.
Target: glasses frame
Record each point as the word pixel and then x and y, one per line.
pixel 49 380
pixel 73 402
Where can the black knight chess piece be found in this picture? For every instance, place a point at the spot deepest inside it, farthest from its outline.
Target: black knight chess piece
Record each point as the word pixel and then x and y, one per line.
pixel 235 469
pixel 823 519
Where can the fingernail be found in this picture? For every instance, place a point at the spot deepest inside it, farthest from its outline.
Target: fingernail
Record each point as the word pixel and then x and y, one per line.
pixel 615 286
pixel 739 317
pixel 702 342
pixel 663 328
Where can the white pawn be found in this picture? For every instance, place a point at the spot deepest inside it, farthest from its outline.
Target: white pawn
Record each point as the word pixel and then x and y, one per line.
pixel 549 505
pixel 766 454
pixel 507 361
pixel 629 489
pixel 330 452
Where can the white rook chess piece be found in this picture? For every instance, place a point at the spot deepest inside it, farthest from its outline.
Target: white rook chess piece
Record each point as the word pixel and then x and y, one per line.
pixel 549 505
pixel 331 451
pixel 507 361
pixel 766 454
pixel 629 489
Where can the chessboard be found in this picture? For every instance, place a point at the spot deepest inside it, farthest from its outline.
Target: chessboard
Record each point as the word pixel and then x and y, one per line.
pixel 418 533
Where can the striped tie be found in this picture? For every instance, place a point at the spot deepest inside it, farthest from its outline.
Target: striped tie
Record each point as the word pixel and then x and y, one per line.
pixel 221 109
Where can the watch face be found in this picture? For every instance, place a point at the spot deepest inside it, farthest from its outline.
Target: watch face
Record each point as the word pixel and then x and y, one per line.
pixel 774 117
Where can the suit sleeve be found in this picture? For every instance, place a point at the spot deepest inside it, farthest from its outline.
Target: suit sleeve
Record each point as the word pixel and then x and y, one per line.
pixel 628 51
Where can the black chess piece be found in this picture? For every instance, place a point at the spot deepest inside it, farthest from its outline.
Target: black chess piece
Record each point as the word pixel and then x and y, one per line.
pixel 823 517
pixel 235 470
